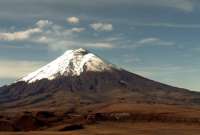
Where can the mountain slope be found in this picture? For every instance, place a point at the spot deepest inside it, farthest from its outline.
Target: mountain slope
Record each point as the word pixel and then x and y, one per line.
pixel 80 78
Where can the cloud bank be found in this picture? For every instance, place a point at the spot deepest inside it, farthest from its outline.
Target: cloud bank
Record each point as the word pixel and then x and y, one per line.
pixel 21 35
pixel 57 37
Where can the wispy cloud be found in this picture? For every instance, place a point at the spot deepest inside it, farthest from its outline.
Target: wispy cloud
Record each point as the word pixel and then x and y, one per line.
pixel 99 26
pixel 101 45
pixel 162 70
pixel 183 5
pixel 148 42
pixel 153 41
pixel 168 25
pixel 78 30
pixel 167 69
pixel 130 59
pixel 16 69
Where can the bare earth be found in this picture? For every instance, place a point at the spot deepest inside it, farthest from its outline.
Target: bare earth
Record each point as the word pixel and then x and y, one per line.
pixel 110 128
pixel 125 119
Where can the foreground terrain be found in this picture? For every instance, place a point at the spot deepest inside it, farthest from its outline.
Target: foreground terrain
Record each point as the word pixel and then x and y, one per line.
pixel 106 119
pixel 109 128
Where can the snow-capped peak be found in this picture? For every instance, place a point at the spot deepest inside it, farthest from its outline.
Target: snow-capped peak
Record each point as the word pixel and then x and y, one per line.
pixel 71 63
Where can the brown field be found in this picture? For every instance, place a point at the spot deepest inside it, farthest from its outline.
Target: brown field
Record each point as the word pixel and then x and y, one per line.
pixel 122 119
pixel 111 128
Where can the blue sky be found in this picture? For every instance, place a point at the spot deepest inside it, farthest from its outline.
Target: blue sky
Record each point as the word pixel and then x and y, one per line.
pixel 158 39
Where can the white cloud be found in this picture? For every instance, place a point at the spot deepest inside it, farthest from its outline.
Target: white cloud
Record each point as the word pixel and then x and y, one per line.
pixel 21 35
pixel 56 37
pixel 60 45
pixel 43 39
pixel 100 45
pixel 26 34
pixel 73 20
pixel 148 40
pixel 77 29
pixel 152 41
pixel 43 23
pixel 99 26
pixel 16 69
pixel 40 28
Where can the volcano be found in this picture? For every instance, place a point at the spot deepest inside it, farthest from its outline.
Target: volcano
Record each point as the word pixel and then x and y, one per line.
pixel 79 78
pixel 79 89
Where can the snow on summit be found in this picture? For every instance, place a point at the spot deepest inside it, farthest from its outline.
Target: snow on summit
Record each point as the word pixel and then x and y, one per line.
pixel 71 63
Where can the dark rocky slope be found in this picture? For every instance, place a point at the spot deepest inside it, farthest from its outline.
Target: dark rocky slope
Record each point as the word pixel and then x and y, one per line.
pixel 93 88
